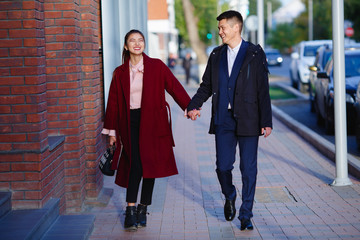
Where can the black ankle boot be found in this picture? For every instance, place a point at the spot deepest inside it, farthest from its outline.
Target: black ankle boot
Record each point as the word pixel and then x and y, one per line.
pixel 141 215
pixel 130 218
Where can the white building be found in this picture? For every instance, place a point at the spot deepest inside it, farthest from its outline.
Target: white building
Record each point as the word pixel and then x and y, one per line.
pixel 163 36
pixel 287 13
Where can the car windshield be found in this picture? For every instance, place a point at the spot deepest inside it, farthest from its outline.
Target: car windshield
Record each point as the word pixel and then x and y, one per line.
pixel 310 51
pixel 352 65
pixel 271 52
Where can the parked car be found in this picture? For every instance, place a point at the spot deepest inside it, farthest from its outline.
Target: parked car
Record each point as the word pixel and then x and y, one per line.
pixel 357 110
pixel 324 90
pixel 323 55
pixel 273 57
pixel 302 58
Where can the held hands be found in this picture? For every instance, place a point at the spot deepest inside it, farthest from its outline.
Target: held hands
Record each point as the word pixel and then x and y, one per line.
pixel 193 114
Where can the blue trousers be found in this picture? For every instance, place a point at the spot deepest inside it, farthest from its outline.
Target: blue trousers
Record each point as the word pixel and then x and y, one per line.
pixel 226 142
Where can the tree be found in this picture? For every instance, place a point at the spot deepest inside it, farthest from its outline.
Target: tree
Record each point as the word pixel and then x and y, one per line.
pixel 322 21
pixel 275 4
pixel 322 24
pixel 351 12
pixel 191 21
pixel 200 15
pixel 282 38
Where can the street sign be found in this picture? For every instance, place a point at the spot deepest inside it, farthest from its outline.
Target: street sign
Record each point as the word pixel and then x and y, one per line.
pixel 349 32
pixel 251 23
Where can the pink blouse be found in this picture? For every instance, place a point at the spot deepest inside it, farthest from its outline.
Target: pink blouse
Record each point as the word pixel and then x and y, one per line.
pixel 136 86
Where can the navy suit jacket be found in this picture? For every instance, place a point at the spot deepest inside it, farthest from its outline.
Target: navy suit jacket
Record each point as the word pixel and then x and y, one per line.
pixel 252 105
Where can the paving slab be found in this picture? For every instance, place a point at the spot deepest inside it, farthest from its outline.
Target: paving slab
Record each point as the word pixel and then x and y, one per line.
pixel 293 197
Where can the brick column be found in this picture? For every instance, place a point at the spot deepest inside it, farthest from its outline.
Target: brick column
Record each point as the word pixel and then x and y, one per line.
pixel 51 102
pixel 28 167
pixel 64 92
pixel 92 96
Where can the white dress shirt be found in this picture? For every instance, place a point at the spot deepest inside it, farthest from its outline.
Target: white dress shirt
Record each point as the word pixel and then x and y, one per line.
pixel 231 56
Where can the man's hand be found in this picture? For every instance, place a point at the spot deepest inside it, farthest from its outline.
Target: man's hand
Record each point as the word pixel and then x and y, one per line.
pixel 193 114
pixel 266 131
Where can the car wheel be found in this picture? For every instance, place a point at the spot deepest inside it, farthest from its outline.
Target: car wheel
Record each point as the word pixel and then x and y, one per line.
pixel 319 119
pixel 312 107
pixel 293 83
pixel 329 126
pixel 302 87
pixel 357 131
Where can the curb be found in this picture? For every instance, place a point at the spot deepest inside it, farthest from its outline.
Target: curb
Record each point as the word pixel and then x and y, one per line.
pixel 321 144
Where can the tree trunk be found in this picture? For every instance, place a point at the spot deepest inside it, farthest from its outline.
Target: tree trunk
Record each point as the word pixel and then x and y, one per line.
pixel 191 24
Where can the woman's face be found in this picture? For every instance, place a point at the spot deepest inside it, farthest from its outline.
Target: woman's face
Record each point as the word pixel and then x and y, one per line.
pixel 135 44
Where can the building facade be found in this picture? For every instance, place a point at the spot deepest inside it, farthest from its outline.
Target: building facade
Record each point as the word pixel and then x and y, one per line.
pixel 52 98
pixel 163 36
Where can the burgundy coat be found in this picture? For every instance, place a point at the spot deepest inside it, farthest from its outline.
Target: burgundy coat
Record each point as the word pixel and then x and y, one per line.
pixel 155 141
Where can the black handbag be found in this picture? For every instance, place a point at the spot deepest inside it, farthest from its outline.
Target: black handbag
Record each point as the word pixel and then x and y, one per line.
pixel 105 161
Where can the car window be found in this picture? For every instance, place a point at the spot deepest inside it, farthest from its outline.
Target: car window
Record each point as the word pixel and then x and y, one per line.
pixel 328 66
pixel 310 51
pixel 352 65
pixel 325 58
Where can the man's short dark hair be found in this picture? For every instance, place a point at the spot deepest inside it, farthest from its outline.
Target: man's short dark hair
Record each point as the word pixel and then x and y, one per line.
pixel 231 14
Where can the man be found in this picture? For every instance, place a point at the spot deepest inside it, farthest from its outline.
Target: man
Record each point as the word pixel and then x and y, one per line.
pixel 236 77
pixel 187 66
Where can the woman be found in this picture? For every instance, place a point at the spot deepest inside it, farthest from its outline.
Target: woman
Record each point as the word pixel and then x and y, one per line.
pixel 137 116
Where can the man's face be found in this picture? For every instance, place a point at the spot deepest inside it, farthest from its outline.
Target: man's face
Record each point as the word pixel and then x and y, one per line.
pixel 228 30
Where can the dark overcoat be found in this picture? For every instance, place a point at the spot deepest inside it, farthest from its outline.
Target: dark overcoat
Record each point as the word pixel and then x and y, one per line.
pixel 155 141
pixel 252 105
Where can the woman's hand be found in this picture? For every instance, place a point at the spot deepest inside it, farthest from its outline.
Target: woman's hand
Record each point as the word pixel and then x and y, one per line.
pixel 112 140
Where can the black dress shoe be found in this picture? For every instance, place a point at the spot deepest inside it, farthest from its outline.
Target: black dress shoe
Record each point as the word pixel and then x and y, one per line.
pixel 246 224
pixel 229 209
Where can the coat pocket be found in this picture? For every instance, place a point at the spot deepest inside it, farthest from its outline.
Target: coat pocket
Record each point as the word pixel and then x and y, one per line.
pixel 250 99
pixel 163 127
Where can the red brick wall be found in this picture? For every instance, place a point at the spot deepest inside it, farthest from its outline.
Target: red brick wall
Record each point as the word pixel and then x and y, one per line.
pixel 50 85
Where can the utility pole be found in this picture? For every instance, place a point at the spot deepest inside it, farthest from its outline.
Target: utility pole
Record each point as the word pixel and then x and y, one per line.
pixel 260 14
pixel 311 20
pixel 342 178
pixel 269 16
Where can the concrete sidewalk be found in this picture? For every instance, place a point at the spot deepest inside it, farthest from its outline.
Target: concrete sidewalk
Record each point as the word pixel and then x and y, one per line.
pixel 293 197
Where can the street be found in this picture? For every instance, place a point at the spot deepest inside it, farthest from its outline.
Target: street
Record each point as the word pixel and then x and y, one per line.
pixel 300 111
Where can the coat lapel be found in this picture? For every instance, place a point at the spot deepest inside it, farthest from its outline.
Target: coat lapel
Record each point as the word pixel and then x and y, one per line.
pixel 125 83
pixel 239 59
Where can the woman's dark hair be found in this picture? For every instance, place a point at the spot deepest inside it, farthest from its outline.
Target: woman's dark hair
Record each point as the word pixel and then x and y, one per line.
pixel 126 53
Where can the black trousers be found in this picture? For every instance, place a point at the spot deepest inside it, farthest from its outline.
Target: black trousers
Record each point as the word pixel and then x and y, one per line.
pixel 136 171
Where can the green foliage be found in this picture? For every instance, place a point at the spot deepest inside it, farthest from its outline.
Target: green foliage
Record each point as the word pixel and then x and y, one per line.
pixel 351 12
pixel 180 22
pixel 253 7
pixel 206 12
pixel 322 21
pixel 283 37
